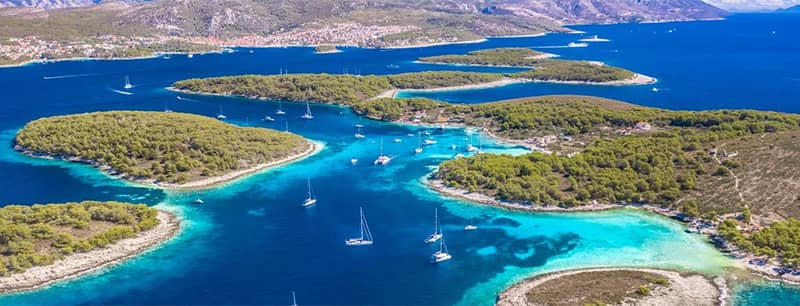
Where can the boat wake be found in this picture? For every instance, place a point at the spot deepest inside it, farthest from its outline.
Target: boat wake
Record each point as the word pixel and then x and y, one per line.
pixel 185 99
pixel 67 76
pixel 122 92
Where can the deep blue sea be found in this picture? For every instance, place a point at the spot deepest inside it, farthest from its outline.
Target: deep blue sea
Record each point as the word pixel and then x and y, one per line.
pixel 252 243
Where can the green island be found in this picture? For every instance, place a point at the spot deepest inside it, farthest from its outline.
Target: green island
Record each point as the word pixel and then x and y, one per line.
pixel 38 235
pixel 543 67
pixel 322 49
pixel 598 287
pixel 166 149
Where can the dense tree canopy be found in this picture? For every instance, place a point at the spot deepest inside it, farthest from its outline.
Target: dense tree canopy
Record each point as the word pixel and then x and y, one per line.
pixel 38 235
pixel 167 147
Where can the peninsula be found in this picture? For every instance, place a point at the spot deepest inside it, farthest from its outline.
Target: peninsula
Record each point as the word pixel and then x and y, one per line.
pixel 48 243
pixel 169 150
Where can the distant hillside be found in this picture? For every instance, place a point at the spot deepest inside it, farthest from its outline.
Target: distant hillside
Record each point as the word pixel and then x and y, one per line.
pixel 752 5
pixel 794 10
pixel 366 23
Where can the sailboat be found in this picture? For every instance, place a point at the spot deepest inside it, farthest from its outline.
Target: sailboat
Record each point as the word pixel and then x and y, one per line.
pixel 268 118
pixel 418 150
pixel 127 83
pixel 308 114
pixel 294 298
pixel 470 147
pixel 382 159
pixel 437 231
pixel 280 110
pixel 221 116
pixel 287 127
pixel 442 254
pixel 311 200
pixel 359 132
pixel 366 236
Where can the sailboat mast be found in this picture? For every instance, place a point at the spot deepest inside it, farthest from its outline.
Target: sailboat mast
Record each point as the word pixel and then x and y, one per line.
pixel 361 213
pixel 309 189
pixel 294 299
pixel 436 221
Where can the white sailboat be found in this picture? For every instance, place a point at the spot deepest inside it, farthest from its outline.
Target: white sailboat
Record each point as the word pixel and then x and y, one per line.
pixel 419 149
pixel 280 109
pixel 470 227
pixel 308 114
pixel 287 127
pixel 442 254
pixel 359 132
pixel 127 83
pixel 269 119
pixel 437 231
pixel 221 116
pixel 382 159
pixel 311 199
pixel 366 235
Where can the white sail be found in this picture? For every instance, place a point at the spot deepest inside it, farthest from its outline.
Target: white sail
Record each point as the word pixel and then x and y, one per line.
pixel 437 231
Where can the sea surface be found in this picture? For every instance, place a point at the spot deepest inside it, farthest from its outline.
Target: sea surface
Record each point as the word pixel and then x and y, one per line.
pixel 252 242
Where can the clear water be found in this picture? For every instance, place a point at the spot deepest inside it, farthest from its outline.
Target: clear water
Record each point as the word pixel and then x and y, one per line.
pixel 252 243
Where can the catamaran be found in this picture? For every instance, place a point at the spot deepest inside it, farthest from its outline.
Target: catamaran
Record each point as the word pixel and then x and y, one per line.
pixel 437 231
pixel 366 235
pixel 442 254
pixel 127 83
pixel 221 116
pixel 311 199
pixel 308 114
pixel 382 159
pixel 280 110
pixel 419 144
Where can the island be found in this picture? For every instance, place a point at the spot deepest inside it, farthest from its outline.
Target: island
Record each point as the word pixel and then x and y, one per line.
pixel 164 149
pixel 47 243
pixel 614 287
pixel 326 49
pixel 543 67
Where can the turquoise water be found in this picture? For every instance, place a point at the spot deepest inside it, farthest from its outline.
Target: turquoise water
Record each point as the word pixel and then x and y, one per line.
pixel 252 243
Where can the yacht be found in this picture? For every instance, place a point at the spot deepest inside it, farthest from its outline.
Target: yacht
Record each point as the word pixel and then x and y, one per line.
pixel 221 116
pixel 311 199
pixel 397 140
pixel 442 254
pixel 308 114
pixel 198 201
pixel 127 83
pixel 268 118
pixel 366 236
pixel 655 89
pixel 280 110
pixel 470 227
pixel 353 161
pixel 359 132
pixel 577 45
pixel 437 231
pixel 429 141
pixel 382 159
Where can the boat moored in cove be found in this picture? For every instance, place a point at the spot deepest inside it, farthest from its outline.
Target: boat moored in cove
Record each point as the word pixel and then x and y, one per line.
pixel 366 235
pixel 311 199
pixel 437 231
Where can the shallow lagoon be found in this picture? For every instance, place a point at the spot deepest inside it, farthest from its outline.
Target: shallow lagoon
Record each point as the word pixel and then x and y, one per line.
pixel 252 243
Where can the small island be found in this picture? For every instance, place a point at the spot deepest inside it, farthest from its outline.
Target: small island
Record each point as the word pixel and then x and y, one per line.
pixel 543 67
pixel 47 243
pixel 169 150
pixel 614 287
pixel 326 49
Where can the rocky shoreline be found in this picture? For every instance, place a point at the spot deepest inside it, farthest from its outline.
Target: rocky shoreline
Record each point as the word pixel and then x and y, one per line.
pixel 79 264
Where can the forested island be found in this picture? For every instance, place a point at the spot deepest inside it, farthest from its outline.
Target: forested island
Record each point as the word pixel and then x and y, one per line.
pixel 45 243
pixel 544 68
pixel 166 149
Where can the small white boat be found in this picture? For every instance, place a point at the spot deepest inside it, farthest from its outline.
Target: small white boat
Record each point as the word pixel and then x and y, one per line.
pixel 470 227
pixel 577 45
pixel 382 159
pixel 359 135
pixel 471 148
pixel 410 134
pixel 366 236
pixel 220 115
pixel 311 199
pixel 397 140
pixel 127 83
pixel 453 147
pixel 429 141
pixel 198 201
pixel 392 66
pixel 442 254
pixel 280 110
pixel 655 89
pixel 353 161
pixel 426 133
pixel 437 231
pixel 359 126
pixel 190 55
pixel 308 114
pixel 268 118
